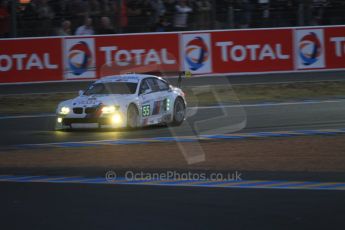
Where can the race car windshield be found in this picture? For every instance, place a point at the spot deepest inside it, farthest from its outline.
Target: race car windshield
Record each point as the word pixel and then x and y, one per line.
pixel 112 88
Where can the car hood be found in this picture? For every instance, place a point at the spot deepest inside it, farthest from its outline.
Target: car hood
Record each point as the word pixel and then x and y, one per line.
pixel 93 100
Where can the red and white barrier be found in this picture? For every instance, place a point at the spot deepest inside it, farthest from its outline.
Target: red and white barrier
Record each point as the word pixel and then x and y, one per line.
pixel 202 52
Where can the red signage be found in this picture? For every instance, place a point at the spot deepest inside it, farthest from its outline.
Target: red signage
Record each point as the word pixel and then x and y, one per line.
pixel 252 51
pixel 335 47
pixel 202 52
pixel 137 53
pixel 30 60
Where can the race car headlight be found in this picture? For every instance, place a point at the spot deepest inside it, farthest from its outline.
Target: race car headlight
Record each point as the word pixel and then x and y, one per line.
pixel 109 109
pixel 116 119
pixel 64 110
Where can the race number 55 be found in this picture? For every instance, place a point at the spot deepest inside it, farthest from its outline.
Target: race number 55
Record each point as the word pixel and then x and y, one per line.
pixel 146 110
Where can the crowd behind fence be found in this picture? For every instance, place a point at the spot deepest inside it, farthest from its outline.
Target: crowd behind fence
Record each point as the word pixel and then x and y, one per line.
pixel 88 17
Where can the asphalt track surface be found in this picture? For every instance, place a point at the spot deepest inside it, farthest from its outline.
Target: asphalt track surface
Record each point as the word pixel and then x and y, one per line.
pixel 193 81
pixel 86 206
pixel 256 118
pixel 70 206
pixel 253 117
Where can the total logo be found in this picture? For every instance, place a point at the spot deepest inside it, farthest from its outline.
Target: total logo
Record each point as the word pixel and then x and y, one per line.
pixel 309 49
pixel 197 53
pixel 79 58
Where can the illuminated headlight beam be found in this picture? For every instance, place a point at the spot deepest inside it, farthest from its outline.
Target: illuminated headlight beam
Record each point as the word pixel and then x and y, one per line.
pixel 64 110
pixel 108 109
pixel 116 119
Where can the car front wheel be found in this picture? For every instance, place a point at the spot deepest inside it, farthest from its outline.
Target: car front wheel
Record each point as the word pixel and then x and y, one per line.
pixel 132 117
pixel 179 112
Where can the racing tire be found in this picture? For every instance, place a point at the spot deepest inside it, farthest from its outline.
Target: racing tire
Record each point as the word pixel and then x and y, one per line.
pixel 132 117
pixel 179 112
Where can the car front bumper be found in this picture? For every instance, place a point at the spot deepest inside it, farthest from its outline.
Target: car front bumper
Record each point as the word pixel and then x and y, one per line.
pixel 78 122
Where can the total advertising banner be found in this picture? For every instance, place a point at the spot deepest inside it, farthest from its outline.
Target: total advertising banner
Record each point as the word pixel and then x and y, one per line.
pixel 30 60
pixel 147 53
pixel 196 52
pixel 96 57
pixel 79 58
pixel 202 52
pixel 335 47
pixel 252 51
pixel 309 49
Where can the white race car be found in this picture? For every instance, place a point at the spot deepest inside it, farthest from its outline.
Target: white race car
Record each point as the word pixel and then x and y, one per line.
pixel 130 100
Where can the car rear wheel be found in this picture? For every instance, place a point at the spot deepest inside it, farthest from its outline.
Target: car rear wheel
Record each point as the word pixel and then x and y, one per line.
pixel 179 112
pixel 132 117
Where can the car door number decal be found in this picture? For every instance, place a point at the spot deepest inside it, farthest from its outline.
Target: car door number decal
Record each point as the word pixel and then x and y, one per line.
pixel 146 110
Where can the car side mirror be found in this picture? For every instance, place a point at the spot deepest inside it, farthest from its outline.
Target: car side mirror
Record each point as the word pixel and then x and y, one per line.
pixel 81 92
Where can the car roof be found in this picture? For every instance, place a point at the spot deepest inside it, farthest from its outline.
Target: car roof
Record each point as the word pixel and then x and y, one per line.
pixel 135 78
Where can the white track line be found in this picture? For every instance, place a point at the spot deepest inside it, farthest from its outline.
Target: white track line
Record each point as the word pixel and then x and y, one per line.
pixel 269 104
pixel 27 116
pixel 45 93
pixel 232 84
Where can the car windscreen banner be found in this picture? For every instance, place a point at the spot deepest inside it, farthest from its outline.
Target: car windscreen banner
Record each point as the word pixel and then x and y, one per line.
pixel 30 60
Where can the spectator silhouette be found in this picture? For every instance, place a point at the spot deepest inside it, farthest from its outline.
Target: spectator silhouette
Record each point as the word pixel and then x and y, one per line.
pixel 105 26
pixel 65 29
pixel 181 15
pixel 86 29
